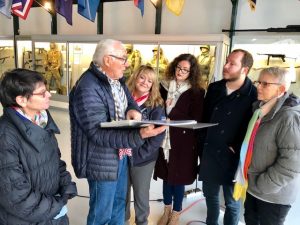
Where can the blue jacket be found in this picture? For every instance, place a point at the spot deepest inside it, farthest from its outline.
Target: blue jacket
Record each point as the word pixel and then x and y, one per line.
pixel 95 149
pixel 232 112
pixel 148 152
pixel 33 179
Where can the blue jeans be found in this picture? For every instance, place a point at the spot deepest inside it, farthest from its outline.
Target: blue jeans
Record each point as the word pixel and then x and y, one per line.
pixel 108 199
pixel 232 211
pixel 176 191
pixel 258 212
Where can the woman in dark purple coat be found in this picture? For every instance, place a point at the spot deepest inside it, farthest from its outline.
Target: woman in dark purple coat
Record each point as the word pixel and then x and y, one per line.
pixel 178 156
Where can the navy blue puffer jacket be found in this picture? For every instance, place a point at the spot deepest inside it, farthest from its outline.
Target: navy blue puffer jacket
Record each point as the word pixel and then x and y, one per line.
pixel 33 180
pixel 95 149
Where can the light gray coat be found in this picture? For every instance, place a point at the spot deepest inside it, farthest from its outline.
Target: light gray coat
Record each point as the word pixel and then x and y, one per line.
pixel 275 166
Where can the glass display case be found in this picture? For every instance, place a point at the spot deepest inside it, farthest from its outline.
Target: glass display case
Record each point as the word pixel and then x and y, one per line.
pixel 7 54
pixel 62 59
pixel 270 51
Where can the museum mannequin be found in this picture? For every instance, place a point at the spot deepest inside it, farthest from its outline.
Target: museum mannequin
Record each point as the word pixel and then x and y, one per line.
pixel 205 61
pixel 53 65
pixel 162 62
pixel 134 60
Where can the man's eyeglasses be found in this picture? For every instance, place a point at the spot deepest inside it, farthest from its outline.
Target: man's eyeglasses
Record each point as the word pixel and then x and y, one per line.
pixel 122 60
pixel 183 71
pixel 43 94
pixel 264 84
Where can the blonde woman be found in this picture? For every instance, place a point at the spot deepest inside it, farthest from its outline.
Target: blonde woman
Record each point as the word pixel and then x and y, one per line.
pixel 144 86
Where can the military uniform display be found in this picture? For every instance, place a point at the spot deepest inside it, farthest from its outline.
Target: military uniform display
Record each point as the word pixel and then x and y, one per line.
pixel 134 60
pixel 53 67
pixel 206 62
pixel 162 62
pixel 7 59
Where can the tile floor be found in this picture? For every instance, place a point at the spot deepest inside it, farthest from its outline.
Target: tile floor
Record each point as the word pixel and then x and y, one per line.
pixel 194 210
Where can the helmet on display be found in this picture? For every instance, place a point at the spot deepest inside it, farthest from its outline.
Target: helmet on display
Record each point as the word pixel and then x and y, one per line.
pixel 129 48
pixel 155 49
pixel 205 46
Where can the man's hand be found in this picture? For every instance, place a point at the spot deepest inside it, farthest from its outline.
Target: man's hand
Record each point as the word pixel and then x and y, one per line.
pixel 151 131
pixel 133 115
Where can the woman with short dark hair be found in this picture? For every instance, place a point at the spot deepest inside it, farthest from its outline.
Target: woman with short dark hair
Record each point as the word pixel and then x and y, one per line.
pixel 34 183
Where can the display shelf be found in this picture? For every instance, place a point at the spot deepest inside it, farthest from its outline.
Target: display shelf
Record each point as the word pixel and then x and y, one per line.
pixel 269 51
pixel 75 54
pixel 7 54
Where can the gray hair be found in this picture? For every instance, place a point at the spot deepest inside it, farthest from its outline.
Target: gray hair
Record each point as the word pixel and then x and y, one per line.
pixel 281 74
pixel 104 47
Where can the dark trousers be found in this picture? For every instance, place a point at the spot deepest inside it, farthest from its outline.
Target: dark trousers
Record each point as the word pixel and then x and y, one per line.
pixel 258 212
pixel 173 193
pixel 232 211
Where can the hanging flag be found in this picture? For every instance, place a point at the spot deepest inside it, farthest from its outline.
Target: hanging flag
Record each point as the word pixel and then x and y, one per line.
pixel 2 3
pixel 88 8
pixel 140 5
pixel 6 7
pixel 252 4
pixel 65 8
pixel 175 6
pixel 21 8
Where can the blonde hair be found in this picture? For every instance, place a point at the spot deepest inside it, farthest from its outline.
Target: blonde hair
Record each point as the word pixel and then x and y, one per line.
pixel 154 98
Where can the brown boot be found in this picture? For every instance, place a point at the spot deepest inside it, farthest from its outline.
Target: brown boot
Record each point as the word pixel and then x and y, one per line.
pixel 164 219
pixel 174 218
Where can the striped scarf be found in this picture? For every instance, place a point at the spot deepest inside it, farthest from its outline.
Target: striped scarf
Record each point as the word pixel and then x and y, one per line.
pixel 40 119
pixel 141 100
pixel 121 104
pixel 241 176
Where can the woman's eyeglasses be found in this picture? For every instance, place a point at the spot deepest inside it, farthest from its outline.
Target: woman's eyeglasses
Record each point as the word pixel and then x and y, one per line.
pixel 182 70
pixel 43 93
pixel 264 84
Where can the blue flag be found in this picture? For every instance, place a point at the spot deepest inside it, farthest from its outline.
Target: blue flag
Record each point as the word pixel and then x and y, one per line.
pixel 2 3
pixel 5 9
pixel 21 8
pixel 140 5
pixel 88 8
pixel 65 8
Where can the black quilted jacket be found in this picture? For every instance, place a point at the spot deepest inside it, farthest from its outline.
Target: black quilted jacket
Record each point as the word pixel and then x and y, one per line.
pixel 95 149
pixel 33 179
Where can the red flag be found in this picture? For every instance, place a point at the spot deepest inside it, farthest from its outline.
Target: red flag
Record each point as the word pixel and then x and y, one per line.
pixel 21 8
pixel 140 5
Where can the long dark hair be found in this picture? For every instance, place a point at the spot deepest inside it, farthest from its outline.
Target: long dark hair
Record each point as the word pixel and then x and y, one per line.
pixel 194 75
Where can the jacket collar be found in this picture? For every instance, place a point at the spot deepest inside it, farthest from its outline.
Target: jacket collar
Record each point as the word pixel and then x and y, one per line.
pixel 245 89
pixel 32 133
pixel 94 69
pixel 284 102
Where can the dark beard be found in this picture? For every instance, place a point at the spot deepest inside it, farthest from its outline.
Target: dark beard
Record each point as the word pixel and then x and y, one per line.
pixel 232 79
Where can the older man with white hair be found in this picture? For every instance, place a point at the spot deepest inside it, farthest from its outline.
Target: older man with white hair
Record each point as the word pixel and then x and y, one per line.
pixel 101 154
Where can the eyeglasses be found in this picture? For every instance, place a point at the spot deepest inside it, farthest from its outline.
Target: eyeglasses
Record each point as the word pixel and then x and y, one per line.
pixel 183 71
pixel 43 94
pixel 264 84
pixel 122 60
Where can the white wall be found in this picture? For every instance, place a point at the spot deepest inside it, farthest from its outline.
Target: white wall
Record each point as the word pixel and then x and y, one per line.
pixel 268 13
pixel 198 16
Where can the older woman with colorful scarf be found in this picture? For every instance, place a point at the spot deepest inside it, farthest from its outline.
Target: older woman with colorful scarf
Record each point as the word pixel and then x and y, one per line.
pixel 269 169
pixel 178 159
